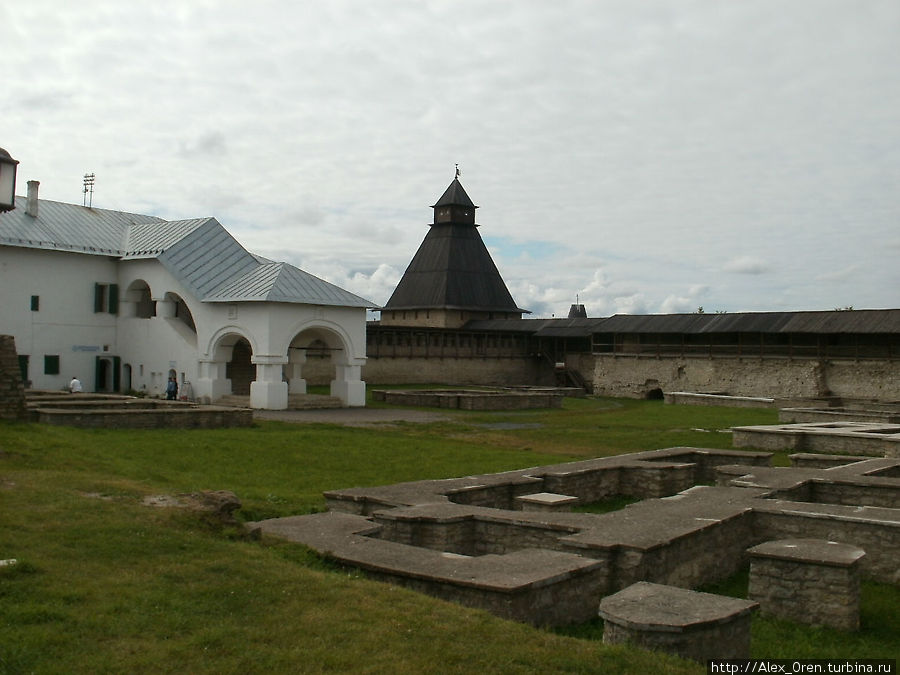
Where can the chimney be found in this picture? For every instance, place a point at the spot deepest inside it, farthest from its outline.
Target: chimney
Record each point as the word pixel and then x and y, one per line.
pixel 31 207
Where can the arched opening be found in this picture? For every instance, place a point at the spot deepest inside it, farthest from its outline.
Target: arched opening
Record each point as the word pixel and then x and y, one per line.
pixel 139 297
pixel 107 373
pixel 310 361
pixel 182 312
pixel 653 391
pixel 321 356
pixel 239 369
pixel 318 369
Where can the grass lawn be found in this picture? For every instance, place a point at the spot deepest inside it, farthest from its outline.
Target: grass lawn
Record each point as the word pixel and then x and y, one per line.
pixel 104 584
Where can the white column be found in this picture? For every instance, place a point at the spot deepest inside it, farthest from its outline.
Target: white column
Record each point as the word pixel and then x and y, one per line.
pixel 347 386
pixel 165 309
pixel 296 383
pixel 269 391
pixel 212 383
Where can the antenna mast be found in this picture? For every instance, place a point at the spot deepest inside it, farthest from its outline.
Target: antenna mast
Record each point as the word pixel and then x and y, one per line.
pixel 88 190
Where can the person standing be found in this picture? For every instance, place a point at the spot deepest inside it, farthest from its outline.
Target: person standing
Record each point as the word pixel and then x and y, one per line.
pixel 172 389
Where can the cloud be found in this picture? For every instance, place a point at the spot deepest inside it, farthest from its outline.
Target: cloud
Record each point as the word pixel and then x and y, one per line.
pixel 843 274
pixel 646 140
pixel 746 265
pixel 209 144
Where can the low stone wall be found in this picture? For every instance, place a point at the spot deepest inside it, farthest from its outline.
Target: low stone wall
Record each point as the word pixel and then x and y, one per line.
pixel 814 415
pixel 500 371
pixel 540 587
pixel 875 530
pixel 461 539
pixel 812 460
pixel 691 398
pixel 12 389
pixel 189 417
pixel 838 438
pixel 684 540
pixel 470 399
pixel 570 598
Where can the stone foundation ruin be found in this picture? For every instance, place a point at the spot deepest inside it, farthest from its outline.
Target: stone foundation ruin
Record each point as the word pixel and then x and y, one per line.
pixel 838 437
pixel 12 390
pixel 507 398
pixel 476 541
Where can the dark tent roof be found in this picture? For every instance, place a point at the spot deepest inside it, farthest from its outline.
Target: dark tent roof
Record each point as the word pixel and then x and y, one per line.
pixel 455 195
pixel 452 268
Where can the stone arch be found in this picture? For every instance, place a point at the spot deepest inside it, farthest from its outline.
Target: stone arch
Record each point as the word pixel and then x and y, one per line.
pixel 240 368
pixel 333 334
pixel 320 352
pixel 181 311
pixel 223 340
pixel 214 381
pixel 653 391
pixel 138 300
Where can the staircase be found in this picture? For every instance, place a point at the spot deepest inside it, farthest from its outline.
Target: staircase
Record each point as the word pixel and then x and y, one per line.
pixel 567 377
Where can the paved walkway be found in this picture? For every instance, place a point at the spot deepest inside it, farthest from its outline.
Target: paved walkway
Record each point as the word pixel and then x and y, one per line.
pixel 351 417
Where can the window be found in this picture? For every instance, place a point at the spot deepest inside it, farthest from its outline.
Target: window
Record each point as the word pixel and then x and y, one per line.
pixel 51 364
pixel 35 303
pixel 106 298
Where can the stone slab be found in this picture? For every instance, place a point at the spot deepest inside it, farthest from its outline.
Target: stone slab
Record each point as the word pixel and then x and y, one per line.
pixel 648 606
pixel 812 551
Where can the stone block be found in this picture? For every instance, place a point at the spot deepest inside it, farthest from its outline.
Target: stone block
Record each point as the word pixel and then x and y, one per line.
pixel 546 501
pixel 811 581
pixel 693 625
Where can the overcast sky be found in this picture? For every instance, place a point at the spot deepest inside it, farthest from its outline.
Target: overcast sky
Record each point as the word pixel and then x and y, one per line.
pixel 646 156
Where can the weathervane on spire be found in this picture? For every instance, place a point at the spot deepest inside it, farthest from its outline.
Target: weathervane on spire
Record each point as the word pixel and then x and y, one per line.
pixel 457 170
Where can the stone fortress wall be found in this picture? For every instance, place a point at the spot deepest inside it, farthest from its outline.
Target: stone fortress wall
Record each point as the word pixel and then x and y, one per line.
pixel 637 377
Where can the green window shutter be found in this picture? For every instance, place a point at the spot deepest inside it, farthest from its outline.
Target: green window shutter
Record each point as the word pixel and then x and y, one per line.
pixel 113 298
pixel 51 364
pixel 98 375
pixel 117 373
pixel 35 303
pixel 98 297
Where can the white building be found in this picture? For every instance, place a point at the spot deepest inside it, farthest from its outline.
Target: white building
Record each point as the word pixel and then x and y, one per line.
pixel 125 301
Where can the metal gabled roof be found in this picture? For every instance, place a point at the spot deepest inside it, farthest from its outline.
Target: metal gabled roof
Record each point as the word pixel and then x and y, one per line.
pixel 199 252
pixel 855 321
pixel 68 227
pixel 506 325
pixel 207 258
pixel 148 240
pixel 580 327
pixel 281 282
pixel 860 321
